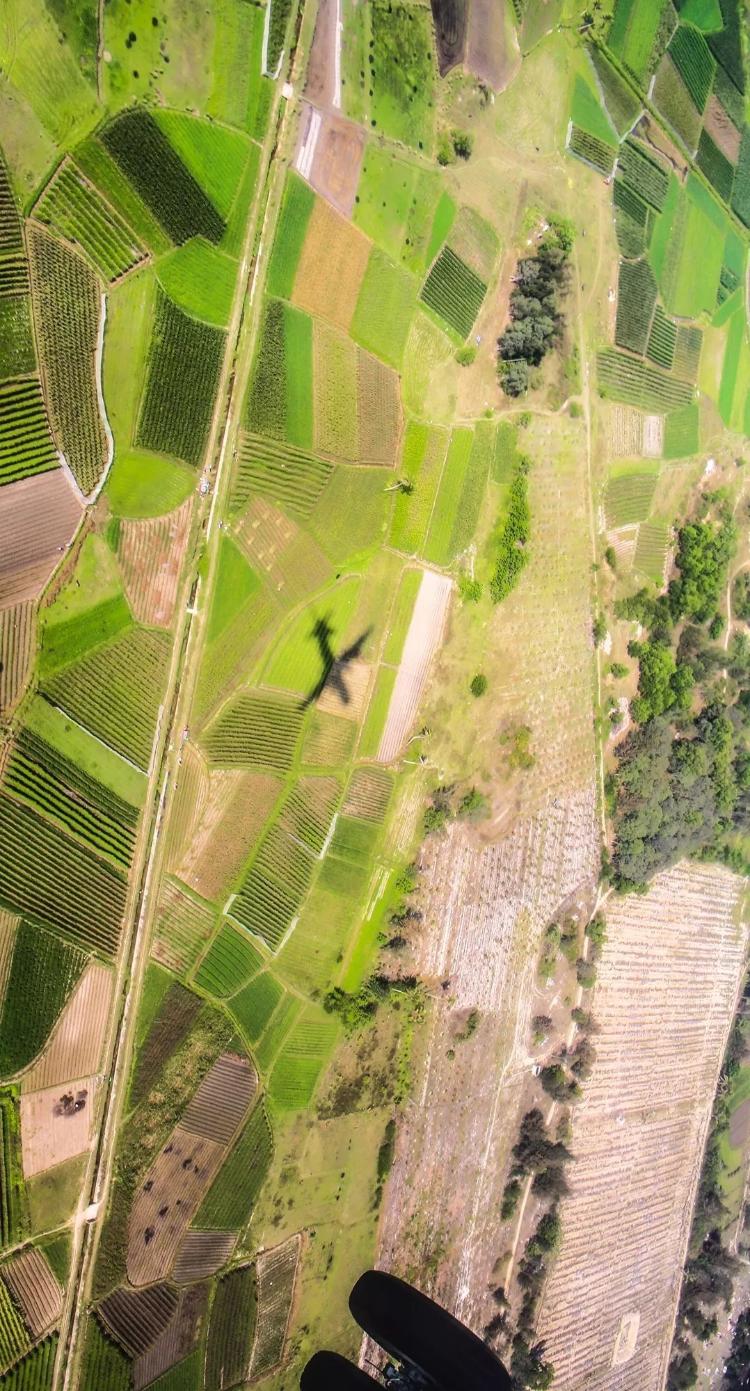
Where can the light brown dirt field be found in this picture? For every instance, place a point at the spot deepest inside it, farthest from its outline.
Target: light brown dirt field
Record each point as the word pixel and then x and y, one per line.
pixel 422 640
pixel 334 169
pixel 182 1173
pixel 48 1135
pixel 178 1340
pixel 356 678
pixel 379 411
pixel 331 268
pixel 77 1040
pixel 277 1273
pixel 190 800
pixel 722 130
pixel 237 805
pixel 492 52
pixel 201 1254
pixel 150 554
pixel 294 564
pixel 36 1291
pixel 665 995
pixel 17 640
pixel 319 80
pixel 38 518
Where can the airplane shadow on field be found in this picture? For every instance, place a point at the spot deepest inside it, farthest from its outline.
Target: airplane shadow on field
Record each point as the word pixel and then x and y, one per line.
pixel 333 668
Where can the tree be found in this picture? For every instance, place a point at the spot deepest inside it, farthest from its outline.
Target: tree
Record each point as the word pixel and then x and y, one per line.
pixel 599 629
pixel 478 684
pixel 683 1372
pixel 514 377
pixel 463 143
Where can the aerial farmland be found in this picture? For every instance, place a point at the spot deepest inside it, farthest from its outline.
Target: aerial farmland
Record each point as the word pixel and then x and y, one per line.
pixel 374 685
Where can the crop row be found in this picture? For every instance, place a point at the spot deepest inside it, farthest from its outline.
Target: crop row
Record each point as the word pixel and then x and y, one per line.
pixel 687 352
pixel 13 1200
pixel 173 1022
pixel 228 964
pixel 308 811
pixel 82 785
pixel 67 305
pixel 273 889
pixel 161 179
pixel 183 372
pixel 35 1371
pixel 54 878
pixel 279 19
pixel 11 238
pixel 636 296
pixel 633 237
pixel 277 1270
pixel 715 165
pixel 628 379
pixel 694 61
pixel 672 98
pixel 256 1004
pixel 642 174
pixel 104 1363
pixel 591 150
pixel 115 691
pixel 230 1200
pixel 183 927
pixel 662 339
pixel 454 291
pixel 292 478
pixel 255 730
pixel 71 205
pixel 681 432
pixel 741 187
pixel 728 283
pixel 14 275
pixel 231 1330
pixel 26 444
pixel 27 778
pixel 627 499
pixel 651 550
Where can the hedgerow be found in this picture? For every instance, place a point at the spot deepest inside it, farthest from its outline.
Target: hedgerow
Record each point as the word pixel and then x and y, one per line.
pixel 512 555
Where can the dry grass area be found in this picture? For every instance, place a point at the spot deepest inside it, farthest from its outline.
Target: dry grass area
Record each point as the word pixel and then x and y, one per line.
pixel 423 637
pixel 332 266
pixel 50 1133
pixel 190 800
pixel 292 562
pixel 347 690
pixel 277 1273
pixel 150 554
pixel 76 1044
pixel 665 996
pixel 488 891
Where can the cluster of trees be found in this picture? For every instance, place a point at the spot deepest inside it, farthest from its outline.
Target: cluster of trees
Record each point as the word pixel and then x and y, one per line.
pixel 358 1008
pixel 535 1152
pixel 737 1374
pixel 445 803
pixel 536 322
pixel 511 555
pixel 682 782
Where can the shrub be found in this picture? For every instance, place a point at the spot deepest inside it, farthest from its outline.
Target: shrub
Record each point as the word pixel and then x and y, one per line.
pixel 478 684
pixel 463 143
pixel 466 355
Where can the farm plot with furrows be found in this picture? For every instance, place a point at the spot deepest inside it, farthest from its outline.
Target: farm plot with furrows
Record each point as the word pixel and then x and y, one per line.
pixel 104 1363
pixel 651 550
pixel 329 740
pixel 183 927
pixel 717 168
pixel 174 1020
pixel 292 561
pixel 38 517
pixel 166 1201
pixel 222 1099
pixel 385 308
pixel 43 971
pixel 46 874
pixel 36 1291
pixel 115 692
pixel 292 478
pixel 14 1212
pixel 628 379
pixel 591 150
pixel 71 206
pixel 67 309
pixel 11 235
pixel 291 229
pixel 201 1254
pixel 336 392
pixel 232 653
pixel 378 411
pixel 687 352
pixel 450 20
pixel 160 178
pixel 231 1329
pixel 216 156
pixel 50 1136
pixel 368 794
pixel 741 188
pixel 672 99
pixel 14 275
pixel 256 729
pixel 232 1196
pixel 17 356
pixel 237 806
pixel 475 242
pixel 35 1371
pixel 454 292
pixel 26 444
pixel 303 1056
pixel 81 785
pixel 271 893
pixel 184 362
pixel 643 174
pixel 14 1338
pixel 136 1318
pixel 622 105
pixel 331 267
pixel 666 990
pixel 662 340
pixel 277 1271
pixel 190 799
pixel 74 1047
pixel 177 1341
pixel 308 811
pixel 17 645
pixel 627 499
pixel 694 60
pixel 229 962
pixel 722 129
pixel 255 1004
pixel 681 433
pixel 150 553
pixel 28 775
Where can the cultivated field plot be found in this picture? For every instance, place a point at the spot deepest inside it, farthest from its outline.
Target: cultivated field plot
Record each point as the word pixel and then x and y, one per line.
pixel 666 989
pixel 277 1271
pixel 151 553
pixel 35 1289
pixel 422 639
pixel 38 518
pixel 237 805
pixel 51 1131
pixel 17 635
pixel 176 1341
pixel 75 1046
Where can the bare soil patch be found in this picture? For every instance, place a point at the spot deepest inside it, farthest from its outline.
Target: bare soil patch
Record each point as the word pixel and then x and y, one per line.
pixel 51 1131
pixel 739 1126
pixel 722 130
pixel 136 1318
pixel 355 679
pixel 321 79
pixel 150 554
pixel 329 156
pixel 38 519
pixel 492 51
pixel 75 1046
pixel 424 636
pixel 37 1292
pixel 167 1202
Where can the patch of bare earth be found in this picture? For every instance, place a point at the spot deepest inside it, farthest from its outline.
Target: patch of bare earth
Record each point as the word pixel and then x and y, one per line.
pixel 76 1044
pixel 150 554
pixel 52 1130
pixel 422 640
pixel 492 51
pixel 329 155
pixel 722 131
pixel 38 519
pixel 320 80
pixel 665 995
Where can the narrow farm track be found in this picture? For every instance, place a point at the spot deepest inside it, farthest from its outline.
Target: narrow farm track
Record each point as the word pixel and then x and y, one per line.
pixel 180 687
